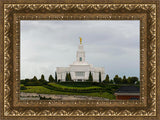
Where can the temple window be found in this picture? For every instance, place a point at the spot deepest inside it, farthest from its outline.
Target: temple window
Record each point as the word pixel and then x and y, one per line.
pixel 80 59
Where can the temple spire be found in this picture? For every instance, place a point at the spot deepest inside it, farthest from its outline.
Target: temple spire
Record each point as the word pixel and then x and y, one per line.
pixel 80 40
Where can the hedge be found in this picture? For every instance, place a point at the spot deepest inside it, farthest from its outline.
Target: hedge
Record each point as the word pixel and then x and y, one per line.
pixel 58 87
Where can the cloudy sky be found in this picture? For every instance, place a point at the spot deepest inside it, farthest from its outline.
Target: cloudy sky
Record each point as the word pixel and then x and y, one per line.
pixel 111 44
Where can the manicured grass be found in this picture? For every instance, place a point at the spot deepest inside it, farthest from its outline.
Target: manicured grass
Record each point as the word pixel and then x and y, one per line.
pixel 43 90
pixel 62 88
pixel 73 88
pixel 37 89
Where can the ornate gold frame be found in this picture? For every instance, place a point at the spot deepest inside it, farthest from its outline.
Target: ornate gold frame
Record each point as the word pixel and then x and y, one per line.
pixel 12 12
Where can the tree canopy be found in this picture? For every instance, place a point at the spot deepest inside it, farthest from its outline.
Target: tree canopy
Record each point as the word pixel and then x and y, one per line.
pixel 51 79
pixel 106 80
pixel 90 78
pixel 117 79
pixel 55 76
pixel 68 77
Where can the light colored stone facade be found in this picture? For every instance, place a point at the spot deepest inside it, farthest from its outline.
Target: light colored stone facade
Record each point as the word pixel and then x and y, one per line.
pixel 80 69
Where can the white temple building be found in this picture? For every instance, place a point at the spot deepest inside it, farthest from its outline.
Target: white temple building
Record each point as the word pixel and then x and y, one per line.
pixel 80 69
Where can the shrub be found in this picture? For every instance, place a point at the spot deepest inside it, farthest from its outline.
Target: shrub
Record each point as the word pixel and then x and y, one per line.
pixel 59 87
pixel 23 88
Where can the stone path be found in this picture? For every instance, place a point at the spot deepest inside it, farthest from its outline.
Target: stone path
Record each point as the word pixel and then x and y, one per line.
pixel 35 96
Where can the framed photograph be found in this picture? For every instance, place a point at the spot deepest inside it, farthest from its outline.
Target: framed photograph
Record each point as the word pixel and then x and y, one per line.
pixel 79 59
pixel 79 80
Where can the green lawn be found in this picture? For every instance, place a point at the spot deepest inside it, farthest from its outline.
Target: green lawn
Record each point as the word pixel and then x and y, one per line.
pixel 68 87
pixel 43 90
pixel 63 88
pixel 21 85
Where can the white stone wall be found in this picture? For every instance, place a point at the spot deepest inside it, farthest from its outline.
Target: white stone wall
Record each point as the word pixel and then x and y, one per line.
pixel 61 72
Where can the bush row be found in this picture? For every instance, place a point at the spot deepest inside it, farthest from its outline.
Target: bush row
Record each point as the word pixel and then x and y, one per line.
pixel 33 83
pixel 74 90
pixel 79 84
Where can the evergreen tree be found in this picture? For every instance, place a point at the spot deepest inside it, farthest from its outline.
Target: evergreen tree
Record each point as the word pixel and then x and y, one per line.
pixel 128 80
pixel 124 80
pixel 69 77
pixel 34 78
pixel 42 77
pixel 117 79
pixel 106 79
pixel 55 76
pixel 90 77
pixel 100 77
pixel 51 79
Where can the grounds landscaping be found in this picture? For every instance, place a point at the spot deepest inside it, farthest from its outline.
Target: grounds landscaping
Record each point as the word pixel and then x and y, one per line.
pixel 93 89
pixel 103 89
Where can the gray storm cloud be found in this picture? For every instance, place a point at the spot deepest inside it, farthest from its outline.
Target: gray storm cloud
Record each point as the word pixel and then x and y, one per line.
pixel 46 45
